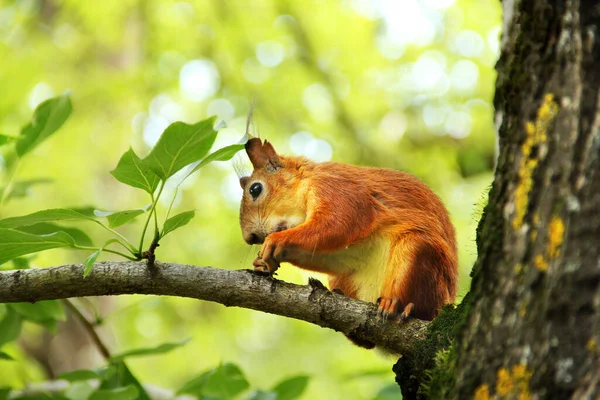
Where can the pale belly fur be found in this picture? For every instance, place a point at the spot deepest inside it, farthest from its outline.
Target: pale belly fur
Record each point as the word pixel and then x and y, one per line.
pixel 367 277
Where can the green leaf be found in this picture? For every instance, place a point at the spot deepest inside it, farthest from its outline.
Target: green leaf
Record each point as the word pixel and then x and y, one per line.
pixel 46 228
pixel 4 392
pixel 262 395
pixel 129 392
pixel 107 373
pixel 89 262
pixel 80 390
pixel 5 139
pixel 47 118
pixel 15 243
pixel 133 171
pixel 21 189
pixel 40 311
pixel 194 386
pixel 223 154
pixel 119 218
pixel 4 356
pixel 291 388
pixel 55 214
pixel 10 326
pixel 226 381
pixel 118 375
pixel 163 348
pixel 45 313
pixel 79 375
pixel 180 145
pixel 177 221
pixel 20 263
pixel 223 382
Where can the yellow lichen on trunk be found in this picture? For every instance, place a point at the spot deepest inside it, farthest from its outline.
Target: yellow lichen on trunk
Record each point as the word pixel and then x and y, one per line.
pixel 556 232
pixel 510 384
pixel 536 136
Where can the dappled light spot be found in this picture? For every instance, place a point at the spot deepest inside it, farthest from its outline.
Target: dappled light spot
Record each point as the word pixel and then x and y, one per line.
pixel 393 125
pixel 458 124
pixel 270 53
pixel 317 100
pixel 389 49
pixel 40 92
pixel 435 115
pixel 305 144
pixel 469 43
pixel 148 324
pixel 222 108
pixel 493 39
pixel 163 106
pixel 231 190
pixel 408 22
pixel 138 122
pixel 198 80
pixel 464 77
pixel 439 4
pixel 428 71
pixel 153 128
pixel 284 21
pixel 254 71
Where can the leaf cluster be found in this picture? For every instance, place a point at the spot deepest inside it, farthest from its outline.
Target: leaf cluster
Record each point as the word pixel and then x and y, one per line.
pixel 181 145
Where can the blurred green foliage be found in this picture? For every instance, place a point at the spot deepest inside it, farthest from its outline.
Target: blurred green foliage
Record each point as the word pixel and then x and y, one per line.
pixel 405 85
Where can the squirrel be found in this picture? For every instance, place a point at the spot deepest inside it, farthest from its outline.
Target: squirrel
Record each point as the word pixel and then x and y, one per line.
pixel 381 235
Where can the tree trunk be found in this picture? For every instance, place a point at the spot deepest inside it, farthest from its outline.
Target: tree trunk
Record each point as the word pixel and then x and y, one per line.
pixel 532 325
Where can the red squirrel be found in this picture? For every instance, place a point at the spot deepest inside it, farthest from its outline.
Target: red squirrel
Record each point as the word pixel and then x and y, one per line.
pixel 381 235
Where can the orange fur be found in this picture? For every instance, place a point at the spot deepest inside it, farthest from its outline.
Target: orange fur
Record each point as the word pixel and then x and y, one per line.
pixel 378 233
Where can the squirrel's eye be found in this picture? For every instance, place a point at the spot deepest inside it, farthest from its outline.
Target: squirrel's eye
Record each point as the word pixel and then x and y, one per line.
pixel 255 190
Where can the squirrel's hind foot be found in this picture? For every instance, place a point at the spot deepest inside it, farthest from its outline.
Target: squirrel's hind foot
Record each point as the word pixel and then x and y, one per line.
pixel 388 308
pixel 407 311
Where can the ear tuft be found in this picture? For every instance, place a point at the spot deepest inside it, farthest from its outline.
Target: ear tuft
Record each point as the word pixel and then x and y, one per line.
pixel 263 155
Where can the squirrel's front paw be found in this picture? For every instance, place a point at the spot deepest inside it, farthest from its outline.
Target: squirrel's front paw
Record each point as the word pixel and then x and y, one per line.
pixel 270 256
pixel 261 267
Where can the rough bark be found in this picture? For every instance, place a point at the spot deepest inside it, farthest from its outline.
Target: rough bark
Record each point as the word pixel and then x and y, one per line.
pixel 533 326
pixel 313 303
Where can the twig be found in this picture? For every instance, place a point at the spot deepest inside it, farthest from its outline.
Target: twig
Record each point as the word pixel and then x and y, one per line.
pixel 88 327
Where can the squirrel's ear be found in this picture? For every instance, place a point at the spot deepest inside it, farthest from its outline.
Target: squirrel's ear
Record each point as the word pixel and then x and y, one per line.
pixel 262 155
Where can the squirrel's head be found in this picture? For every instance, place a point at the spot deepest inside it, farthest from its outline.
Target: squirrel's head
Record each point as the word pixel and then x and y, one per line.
pixel 274 196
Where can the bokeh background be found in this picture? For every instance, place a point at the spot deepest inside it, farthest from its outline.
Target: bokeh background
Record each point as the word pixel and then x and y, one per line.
pixel 401 84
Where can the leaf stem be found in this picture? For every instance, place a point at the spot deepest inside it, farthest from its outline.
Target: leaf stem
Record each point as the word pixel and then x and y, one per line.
pixel 171 205
pixel 127 245
pixel 152 210
pixel 76 246
pixel 155 225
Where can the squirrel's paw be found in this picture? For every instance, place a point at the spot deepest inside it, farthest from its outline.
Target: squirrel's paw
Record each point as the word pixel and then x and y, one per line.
pixel 261 267
pixel 388 308
pixel 271 254
pixel 407 310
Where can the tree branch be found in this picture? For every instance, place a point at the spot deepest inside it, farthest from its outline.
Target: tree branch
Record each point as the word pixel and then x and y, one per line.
pixel 242 288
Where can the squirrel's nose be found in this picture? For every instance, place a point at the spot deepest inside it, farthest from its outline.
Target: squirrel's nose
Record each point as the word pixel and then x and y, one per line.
pixel 253 238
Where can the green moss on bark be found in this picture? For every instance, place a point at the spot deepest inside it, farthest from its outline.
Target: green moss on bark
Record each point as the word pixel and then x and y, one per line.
pixel 429 373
